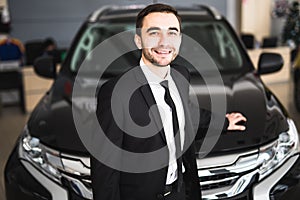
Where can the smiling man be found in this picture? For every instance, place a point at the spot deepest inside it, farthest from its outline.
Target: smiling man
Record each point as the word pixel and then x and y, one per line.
pixel 160 44
pixel 161 94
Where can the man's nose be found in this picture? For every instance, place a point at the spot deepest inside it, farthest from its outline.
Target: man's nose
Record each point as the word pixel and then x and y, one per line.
pixel 163 40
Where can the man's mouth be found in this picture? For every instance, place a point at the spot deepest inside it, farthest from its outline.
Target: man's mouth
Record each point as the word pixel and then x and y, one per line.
pixel 163 52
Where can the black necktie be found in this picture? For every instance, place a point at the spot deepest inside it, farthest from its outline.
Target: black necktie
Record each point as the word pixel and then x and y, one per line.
pixel 169 101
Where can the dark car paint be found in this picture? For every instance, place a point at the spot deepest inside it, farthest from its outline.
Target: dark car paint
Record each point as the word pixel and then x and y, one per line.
pixel 297 87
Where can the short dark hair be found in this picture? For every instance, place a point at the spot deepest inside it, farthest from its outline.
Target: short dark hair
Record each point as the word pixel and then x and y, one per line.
pixel 151 9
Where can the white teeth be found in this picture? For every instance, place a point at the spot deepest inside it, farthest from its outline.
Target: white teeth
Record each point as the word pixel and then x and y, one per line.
pixel 163 52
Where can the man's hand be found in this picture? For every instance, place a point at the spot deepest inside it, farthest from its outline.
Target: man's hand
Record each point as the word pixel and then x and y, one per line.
pixel 235 118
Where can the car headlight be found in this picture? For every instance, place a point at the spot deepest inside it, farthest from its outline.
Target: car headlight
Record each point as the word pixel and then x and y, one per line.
pixel 275 154
pixel 45 159
pixel 56 165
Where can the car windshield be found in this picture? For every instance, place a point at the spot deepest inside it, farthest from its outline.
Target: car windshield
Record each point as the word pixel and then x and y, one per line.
pixel 214 36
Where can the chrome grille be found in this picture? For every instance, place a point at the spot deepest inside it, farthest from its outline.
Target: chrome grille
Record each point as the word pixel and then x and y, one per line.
pixel 220 177
pixel 218 181
pixel 227 176
pixel 76 173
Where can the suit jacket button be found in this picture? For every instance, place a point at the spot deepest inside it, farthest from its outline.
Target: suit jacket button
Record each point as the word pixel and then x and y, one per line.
pixel 160 196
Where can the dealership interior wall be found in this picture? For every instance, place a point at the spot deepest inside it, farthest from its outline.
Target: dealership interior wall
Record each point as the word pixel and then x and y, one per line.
pixel 32 19
pixel 36 19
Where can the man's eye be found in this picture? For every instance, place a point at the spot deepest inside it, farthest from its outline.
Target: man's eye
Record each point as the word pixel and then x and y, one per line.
pixel 153 33
pixel 173 33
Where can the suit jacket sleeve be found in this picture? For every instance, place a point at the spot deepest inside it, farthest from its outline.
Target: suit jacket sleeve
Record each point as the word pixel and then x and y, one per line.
pixel 105 180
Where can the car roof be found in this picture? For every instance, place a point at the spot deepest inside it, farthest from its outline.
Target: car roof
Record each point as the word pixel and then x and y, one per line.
pixel 117 12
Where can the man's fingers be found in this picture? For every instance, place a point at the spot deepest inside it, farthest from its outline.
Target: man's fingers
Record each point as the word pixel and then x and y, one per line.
pixel 240 118
pixel 238 127
pixel 236 115
pixel 235 118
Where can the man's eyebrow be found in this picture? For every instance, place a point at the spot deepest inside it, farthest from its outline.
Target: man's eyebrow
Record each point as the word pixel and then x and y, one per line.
pixel 157 29
pixel 153 29
pixel 174 29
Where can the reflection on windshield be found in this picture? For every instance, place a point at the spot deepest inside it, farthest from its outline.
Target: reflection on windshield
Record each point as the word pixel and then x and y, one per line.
pixel 214 37
pixel 217 41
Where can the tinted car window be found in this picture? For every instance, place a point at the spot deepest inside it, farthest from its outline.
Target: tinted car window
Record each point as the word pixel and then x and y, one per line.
pixel 94 35
pixel 214 37
pixel 217 41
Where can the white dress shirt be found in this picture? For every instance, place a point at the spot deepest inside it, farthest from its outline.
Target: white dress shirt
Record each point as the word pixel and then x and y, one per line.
pixel 166 115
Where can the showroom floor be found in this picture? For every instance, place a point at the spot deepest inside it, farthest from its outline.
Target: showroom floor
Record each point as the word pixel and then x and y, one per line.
pixel 12 121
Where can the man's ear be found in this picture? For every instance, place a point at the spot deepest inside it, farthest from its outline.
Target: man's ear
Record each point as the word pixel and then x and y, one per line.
pixel 138 41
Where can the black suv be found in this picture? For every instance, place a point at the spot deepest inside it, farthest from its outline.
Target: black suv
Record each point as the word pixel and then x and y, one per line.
pixel 296 79
pixel 49 160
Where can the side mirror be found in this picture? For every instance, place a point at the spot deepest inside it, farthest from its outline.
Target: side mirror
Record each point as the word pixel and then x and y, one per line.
pixel 269 63
pixel 45 67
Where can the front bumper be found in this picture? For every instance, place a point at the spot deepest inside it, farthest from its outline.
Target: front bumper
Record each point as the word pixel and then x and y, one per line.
pixel 24 181
pixel 273 187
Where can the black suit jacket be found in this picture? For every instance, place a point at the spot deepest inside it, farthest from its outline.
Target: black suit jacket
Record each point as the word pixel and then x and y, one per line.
pixel 113 184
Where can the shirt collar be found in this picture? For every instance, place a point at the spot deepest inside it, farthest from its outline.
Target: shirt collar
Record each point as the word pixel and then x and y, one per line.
pixel 151 77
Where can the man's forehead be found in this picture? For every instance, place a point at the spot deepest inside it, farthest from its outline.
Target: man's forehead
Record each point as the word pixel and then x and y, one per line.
pixel 163 20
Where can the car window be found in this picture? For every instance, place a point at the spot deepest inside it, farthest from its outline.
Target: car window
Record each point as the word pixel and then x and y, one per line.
pixel 94 35
pixel 213 36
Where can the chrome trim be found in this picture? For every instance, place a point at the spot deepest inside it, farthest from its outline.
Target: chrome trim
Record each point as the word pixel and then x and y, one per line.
pixel 236 169
pixel 215 12
pixel 23 157
pixel 219 181
pixel 96 14
pixel 67 164
pixel 268 146
pixel 79 187
pixel 241 166
pixel 75 166
pixel 85 160
pixel 222 160
pixel 229 175
pixel 229 191
pixel 56 191
pixel 262 190
pixel 80 166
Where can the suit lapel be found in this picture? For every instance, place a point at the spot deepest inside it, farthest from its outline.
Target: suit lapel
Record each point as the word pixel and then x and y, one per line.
pixel 182 85
pixel 149 99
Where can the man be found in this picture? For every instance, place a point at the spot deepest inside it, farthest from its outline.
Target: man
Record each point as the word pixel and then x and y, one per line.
pixel 158 34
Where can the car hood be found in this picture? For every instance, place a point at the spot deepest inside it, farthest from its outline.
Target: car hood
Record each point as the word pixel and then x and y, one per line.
pixel 52 120
pixel 246 94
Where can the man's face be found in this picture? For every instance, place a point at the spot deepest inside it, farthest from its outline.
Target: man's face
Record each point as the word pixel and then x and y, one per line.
pixel 160 39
